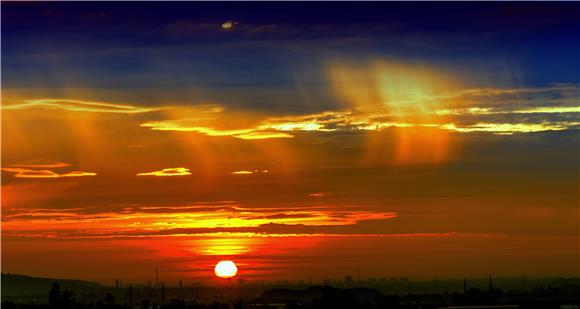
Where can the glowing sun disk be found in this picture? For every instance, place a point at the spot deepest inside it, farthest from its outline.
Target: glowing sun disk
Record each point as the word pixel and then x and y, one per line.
pixel 226 269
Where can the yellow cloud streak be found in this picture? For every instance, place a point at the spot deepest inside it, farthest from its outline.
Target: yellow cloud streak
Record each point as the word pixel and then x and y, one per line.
pixel 263 135
pixel 79 105
pixel 490 111
pixel 251 133
pixel 28 173
pixel 245 172
pixel 174 171
pixel 511 128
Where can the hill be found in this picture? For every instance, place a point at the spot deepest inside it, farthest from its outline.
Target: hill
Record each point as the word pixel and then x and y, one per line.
pixel 19 285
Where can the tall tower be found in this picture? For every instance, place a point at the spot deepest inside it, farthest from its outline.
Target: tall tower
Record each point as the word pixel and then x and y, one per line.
pixel 464 285
pixel 435 285
pixel 156 276
pixel 130 296
pixel 490 284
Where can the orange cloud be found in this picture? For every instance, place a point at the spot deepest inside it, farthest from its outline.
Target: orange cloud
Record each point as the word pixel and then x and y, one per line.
pixel 318 194
pixel 174 171
pixel 181 220
pixel 40 163
pixel 28 173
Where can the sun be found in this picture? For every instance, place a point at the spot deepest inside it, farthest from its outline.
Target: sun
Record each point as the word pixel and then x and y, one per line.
pixel 226 269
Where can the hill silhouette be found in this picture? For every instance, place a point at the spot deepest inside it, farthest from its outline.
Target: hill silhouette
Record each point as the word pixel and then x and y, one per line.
pixel 19 285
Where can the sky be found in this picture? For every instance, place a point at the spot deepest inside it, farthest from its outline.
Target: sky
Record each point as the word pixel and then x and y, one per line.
pixel 297 139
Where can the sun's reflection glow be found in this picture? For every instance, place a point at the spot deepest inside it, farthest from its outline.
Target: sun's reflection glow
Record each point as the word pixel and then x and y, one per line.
pixel 225 246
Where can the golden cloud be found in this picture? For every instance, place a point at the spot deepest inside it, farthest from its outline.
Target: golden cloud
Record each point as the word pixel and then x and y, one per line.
pixel 491 111
pixel 391 95
pixel 182 125
pixel 264 135
pixel 29 173
pixel 174 171
pixel 356 121
pixel 511 128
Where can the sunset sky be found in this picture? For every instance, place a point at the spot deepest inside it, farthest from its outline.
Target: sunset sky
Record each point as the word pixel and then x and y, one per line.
pixel 297 139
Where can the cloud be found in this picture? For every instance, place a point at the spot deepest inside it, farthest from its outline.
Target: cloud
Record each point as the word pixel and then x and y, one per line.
pixel 491 111
pixel 244 172
pixel 273 127
pixel 40 163
pixel 359 122
pixel 507 111
pixel 228 25
pixel 174 171
pixel 28 173
pixel 263 135
pixel 79 106
pixel 186 28
pixel 185 219
pixel 318 194
pixel 191 125
pixel 511 128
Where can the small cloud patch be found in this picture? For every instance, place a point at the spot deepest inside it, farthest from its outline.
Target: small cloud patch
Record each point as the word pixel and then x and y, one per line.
pixel 244 172
pixel 174 171
pixel 318 194
pixel 228 25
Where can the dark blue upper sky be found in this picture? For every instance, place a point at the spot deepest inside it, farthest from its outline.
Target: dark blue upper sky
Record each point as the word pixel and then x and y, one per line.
pixel 168 47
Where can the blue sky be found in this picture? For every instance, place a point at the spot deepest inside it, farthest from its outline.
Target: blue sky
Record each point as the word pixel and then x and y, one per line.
pixel 172 47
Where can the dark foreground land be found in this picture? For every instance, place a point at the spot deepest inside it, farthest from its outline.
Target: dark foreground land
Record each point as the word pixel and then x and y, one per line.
pixel 28 292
